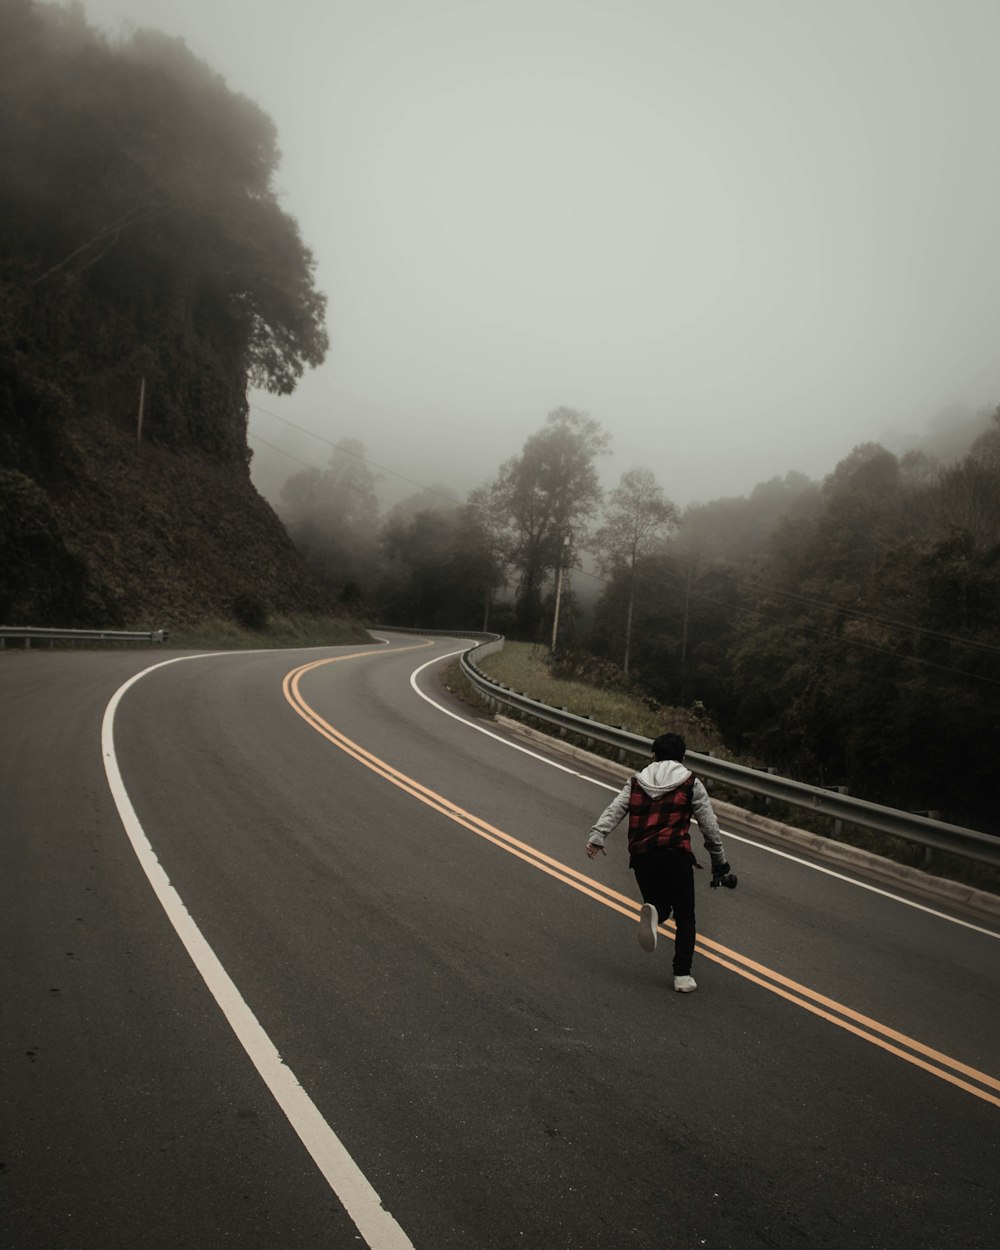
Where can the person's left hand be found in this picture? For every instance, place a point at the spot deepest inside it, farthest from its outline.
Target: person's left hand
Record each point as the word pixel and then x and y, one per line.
pixel 593 848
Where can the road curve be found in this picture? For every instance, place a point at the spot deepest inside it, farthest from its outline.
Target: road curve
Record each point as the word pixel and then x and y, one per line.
pixel 402 903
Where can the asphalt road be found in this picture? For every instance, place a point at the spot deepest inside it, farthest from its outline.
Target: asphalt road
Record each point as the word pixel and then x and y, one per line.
pixel 401 904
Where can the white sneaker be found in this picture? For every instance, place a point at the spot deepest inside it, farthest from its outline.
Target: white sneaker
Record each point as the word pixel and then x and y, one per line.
pixel 684 985
pixel 647 927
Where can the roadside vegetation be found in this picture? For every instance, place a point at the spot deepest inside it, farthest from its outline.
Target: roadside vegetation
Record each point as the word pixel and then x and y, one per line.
pixel 279 631
pixel 524 667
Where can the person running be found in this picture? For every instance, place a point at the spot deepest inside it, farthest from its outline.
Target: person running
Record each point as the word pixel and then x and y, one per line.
pixel 660 802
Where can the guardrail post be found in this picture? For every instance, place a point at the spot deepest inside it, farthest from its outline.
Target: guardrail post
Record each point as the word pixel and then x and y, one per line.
pixel 925 858
pixel 767 798
pixel 621 750
pixel 588 743
pixel 838 824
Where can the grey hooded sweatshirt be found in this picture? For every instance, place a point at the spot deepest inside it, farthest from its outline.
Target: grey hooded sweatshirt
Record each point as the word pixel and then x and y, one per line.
pixel 658 779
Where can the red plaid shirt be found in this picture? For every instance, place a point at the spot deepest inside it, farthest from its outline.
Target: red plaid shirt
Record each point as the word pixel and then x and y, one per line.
pixel 655 824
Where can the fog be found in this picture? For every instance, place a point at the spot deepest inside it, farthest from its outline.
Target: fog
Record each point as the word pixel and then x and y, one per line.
pixel 744 236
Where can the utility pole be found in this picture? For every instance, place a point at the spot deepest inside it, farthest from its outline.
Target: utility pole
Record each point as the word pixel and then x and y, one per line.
pixel 628 619
pixel 142 405
pixel 489 584
pixel 559 577
pixel 687 611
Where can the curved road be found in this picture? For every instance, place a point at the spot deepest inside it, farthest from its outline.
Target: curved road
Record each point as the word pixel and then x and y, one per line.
pixel 378 887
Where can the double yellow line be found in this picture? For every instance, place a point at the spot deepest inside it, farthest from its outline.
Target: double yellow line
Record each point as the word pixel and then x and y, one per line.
pixel 933 1061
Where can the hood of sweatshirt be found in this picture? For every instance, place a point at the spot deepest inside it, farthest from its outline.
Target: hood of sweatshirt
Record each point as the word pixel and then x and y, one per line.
pixel 662 776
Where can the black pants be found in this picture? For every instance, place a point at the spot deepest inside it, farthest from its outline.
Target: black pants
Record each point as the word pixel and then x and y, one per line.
pixel 666 879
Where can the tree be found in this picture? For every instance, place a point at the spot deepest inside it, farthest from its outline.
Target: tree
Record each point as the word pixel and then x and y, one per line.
pixel 419 590
pixel 638 515
pixel 549 494
pixel 737 529
pixel 868 655
pixel 434 498
pixel 968 498
pixel 332 517
pixel 172 256
pixel 486 531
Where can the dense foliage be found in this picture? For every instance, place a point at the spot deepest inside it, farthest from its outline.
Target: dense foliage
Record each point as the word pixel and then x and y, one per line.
pixel 135 182
pixel 858 644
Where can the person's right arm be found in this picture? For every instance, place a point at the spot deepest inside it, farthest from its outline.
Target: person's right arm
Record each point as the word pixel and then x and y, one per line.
pixel 607 820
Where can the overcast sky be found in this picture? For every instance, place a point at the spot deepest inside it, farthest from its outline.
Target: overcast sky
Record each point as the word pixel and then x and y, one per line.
pixel 745 235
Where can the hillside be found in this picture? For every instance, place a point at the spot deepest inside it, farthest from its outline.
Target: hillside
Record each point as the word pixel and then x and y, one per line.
pixel 108 534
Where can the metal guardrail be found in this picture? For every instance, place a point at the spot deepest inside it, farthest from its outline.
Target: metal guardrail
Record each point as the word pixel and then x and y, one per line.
pixel 27 634
pixel 436 633
pixel 921 830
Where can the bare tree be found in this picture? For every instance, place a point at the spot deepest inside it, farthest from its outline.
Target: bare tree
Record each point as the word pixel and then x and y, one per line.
pixel 487 519
pixel 638 516
pixel 332 517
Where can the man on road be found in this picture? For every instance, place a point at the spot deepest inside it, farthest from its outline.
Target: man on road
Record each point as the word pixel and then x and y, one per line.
pixel 660 802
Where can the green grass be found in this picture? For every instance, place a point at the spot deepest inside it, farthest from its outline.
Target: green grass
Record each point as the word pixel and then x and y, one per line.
pixel 281 631
pixel 521 665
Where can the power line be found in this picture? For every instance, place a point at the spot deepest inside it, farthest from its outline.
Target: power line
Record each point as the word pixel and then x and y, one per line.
pixel 427 490
pixel 858 613
pixel 281 452
pixel 867 616
pixel 808 629
pixel 763 589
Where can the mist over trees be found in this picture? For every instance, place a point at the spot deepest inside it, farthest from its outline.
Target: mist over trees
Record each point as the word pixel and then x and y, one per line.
pixel 843 631
pixel 636 519
pixel 332 516
pixel 445 560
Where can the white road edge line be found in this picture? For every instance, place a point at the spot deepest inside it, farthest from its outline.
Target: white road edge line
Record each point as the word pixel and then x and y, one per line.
pixel 345 1178
pixel 514 746
pixel 861 885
